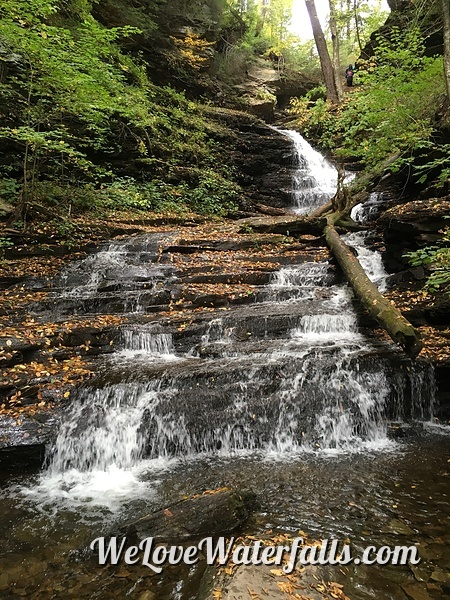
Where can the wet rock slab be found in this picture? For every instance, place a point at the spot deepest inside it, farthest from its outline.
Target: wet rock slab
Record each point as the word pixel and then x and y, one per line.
pixel 24 438
pixel 210 514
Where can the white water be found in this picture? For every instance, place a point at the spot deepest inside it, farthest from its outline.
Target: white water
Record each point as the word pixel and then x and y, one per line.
pixel 306 274
pixel 315 178
pixel 115 279
pixel 96 458
pixel 370 260
pixel 305 392
pixel 364 213
pixel 92 271
pixel 323 327
pixel 139 342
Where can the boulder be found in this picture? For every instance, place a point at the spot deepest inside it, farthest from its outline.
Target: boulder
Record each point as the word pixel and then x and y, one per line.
pixel 407 227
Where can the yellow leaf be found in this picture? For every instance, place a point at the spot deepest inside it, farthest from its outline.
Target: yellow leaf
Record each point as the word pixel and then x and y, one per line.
pixel 66 394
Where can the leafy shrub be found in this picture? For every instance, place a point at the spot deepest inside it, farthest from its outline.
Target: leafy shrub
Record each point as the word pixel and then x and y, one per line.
pixel 214 195
pixel 437 260
pixel 392 111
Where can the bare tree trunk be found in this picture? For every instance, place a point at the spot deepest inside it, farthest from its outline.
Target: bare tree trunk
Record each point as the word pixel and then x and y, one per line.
pixel 335 40
pixel 325 60
pixel 358 36
pixel 446 13
pixel 349 12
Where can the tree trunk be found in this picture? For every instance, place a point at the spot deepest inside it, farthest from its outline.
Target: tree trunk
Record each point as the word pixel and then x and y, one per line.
pixel 358 36
pixel 335 41
pixel 446 14
pixel 387 315
pixel 349 18
pixel 325 60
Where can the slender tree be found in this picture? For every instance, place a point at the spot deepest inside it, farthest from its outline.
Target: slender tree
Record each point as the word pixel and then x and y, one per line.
pixel 322 49
pixel 446 13
pixel 335 41
pixel 358 35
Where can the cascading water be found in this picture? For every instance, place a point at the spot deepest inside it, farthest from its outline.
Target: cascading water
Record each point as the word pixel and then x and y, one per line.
pixel 290 374
pixel 145 342
pixel 125 276
pixel 206 399
pixel 364 213
pixel 315 178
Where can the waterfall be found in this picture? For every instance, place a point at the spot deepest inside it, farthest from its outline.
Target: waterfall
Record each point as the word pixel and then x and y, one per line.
pixel 314 178
pixel 364 213
pixel 144 342
pixel 289 374
pixel 370 260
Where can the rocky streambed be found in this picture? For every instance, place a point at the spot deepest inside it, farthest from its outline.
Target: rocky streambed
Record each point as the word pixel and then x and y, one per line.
pixel 179 360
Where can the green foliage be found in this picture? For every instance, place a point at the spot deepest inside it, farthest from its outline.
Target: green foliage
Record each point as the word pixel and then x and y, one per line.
pixel 72 102
pixel 213 195
pixel 392 111
pixel 61 75
pixel 253 29
pixel 302 56
pixel 437 260
pixel 5 243
pixel 438 163
pixel 126 193
pixel 370 17
pixel 9 189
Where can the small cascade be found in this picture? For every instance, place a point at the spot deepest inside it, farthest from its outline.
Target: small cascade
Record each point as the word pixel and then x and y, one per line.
pixel 325 326
pixel 101 429
pixel 139 341
pixel 125 276
pixel 369 210
pixel 314 178
pixel 370 260
pixel 300 281
pixel 96 458
pixel 218 331
pixel 306 274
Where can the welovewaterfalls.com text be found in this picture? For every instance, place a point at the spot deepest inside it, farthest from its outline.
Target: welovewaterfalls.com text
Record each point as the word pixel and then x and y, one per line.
pixel 220 551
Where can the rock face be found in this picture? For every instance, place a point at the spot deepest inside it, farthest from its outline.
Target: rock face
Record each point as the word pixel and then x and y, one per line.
pixel 263 158
pixel 411 226
pixel 403 13
pixel 268 86
pixel 258 92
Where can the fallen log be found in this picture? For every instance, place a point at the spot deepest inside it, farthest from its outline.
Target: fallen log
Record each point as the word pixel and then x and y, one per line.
pixel 270 210
pixel 387 315
pixel 322 210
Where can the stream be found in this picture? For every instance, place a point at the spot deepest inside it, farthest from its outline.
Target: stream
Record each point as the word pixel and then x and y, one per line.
pixel 290 395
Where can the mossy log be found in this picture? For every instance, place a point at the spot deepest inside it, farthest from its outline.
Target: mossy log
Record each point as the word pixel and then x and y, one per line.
pixel 386 314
